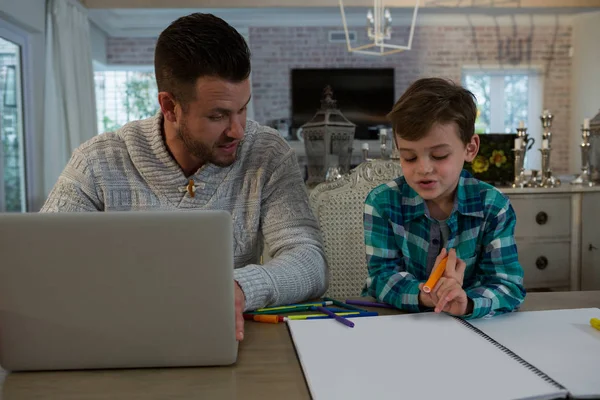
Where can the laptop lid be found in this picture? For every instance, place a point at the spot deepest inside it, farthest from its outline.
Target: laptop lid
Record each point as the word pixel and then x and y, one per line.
pixel 116 290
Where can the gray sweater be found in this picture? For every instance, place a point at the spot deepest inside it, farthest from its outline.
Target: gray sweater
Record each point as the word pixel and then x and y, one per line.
pixel 131 169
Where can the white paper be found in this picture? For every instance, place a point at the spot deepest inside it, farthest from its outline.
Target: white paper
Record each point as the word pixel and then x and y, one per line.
pixel 561 343
pixel 413 356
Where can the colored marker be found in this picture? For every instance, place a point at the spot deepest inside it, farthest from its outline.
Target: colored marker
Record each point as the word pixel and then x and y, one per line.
pixel 283 310
pixel 336 310
pixel 271 319
pixel 435 276
pixel 291 306
pixel 294 310
pixel 337 317
pixel 274 319
pixel 595 322
pixel 369 304
pixel 303 316
pixel 343 305
pixel 323 303
pixel 324 316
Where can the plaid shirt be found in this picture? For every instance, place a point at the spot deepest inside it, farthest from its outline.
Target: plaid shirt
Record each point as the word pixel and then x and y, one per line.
pixel 402 241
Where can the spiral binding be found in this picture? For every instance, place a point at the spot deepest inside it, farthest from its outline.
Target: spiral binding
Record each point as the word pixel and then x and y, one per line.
pixel 512 354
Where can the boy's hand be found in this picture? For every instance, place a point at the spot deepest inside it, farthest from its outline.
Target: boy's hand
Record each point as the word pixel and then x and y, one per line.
pixel 455 267
pixel 425 298
pixel 450 297
pixel 455 270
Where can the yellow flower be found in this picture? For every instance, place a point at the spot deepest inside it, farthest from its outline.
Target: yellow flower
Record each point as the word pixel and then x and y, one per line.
pixel 480 164
pixel 498 158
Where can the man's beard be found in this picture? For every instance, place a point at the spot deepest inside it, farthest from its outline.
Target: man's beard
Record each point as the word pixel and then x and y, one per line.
pixel 200 150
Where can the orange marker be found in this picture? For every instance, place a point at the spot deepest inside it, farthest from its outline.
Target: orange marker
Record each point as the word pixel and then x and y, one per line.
pixel 435 276
pixel 271 319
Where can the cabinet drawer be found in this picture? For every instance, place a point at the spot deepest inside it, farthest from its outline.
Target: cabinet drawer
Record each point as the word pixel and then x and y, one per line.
pixel 545 264
pixel 542 217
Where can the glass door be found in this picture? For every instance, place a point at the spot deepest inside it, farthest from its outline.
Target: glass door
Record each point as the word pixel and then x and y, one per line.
pixel 12 170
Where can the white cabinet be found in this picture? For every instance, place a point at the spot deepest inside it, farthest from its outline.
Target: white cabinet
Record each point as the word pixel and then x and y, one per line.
pixel 590 241
pixel 558 237
pixel 543 216
pixel 544 238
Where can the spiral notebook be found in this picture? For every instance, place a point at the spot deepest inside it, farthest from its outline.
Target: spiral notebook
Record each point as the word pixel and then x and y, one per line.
pixel 436 356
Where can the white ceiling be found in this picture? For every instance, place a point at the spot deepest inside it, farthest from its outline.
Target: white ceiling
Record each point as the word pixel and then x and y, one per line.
pixel 150 22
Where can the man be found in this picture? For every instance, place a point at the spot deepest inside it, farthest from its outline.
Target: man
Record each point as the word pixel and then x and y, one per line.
pixel 200 152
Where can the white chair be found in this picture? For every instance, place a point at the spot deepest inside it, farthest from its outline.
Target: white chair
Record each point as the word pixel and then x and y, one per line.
pixel 339 208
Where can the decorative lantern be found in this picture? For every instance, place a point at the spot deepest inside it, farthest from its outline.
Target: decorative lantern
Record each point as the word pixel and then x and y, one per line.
pixel 595 148
pixel 595 124
pixel 328 139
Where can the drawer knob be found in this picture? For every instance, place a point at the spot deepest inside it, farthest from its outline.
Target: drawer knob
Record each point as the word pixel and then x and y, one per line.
pixel 541 263
pixel 541 218
pixel 592 247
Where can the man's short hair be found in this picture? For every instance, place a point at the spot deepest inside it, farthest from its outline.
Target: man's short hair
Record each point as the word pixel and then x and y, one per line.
pixel 195 46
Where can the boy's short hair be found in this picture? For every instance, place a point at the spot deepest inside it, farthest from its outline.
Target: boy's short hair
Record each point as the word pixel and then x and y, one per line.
pixel 433 100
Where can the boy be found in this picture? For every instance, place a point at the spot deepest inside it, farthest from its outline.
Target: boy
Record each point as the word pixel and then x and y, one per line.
pixel 436 205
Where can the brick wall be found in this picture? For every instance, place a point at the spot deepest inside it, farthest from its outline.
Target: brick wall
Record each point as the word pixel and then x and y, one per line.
pixel 437 51
pixel 130 51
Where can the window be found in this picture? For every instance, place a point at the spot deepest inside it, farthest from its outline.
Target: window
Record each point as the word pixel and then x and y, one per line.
pixel 123 96
pixel 128 94
pixel 12 169
pixel 505 97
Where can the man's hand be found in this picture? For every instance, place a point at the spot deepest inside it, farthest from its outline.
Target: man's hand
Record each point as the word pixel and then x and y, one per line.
pixel 240 304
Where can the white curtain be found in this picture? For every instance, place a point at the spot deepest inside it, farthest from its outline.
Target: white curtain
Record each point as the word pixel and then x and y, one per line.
pixel 70 105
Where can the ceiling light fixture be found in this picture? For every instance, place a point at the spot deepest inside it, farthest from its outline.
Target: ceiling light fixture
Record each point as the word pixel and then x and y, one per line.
pixel 379 30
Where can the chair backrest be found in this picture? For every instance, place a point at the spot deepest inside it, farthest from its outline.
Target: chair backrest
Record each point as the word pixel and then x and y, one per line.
pixel 339 208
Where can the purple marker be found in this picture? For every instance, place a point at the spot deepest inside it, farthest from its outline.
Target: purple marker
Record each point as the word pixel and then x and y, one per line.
pixel 368 304
pixel 338 318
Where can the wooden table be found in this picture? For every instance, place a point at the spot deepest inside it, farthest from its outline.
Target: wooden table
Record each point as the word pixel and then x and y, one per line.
pixel 267 368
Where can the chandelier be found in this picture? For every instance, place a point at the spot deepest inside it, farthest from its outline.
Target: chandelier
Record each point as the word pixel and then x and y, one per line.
pixel 379 30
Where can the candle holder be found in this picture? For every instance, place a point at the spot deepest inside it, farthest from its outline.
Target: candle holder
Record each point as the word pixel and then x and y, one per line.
pixel 534 179
pixel 520 181
pixel 526 145
pixel 585 178
pixel 383 138
pixel 547 119
pixel 526 141
pixel 548 180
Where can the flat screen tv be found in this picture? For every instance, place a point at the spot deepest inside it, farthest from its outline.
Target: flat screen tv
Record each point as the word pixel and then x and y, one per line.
pixel 364 95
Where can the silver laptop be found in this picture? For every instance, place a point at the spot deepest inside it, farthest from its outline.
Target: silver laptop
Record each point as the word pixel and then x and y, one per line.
pixel 116 290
